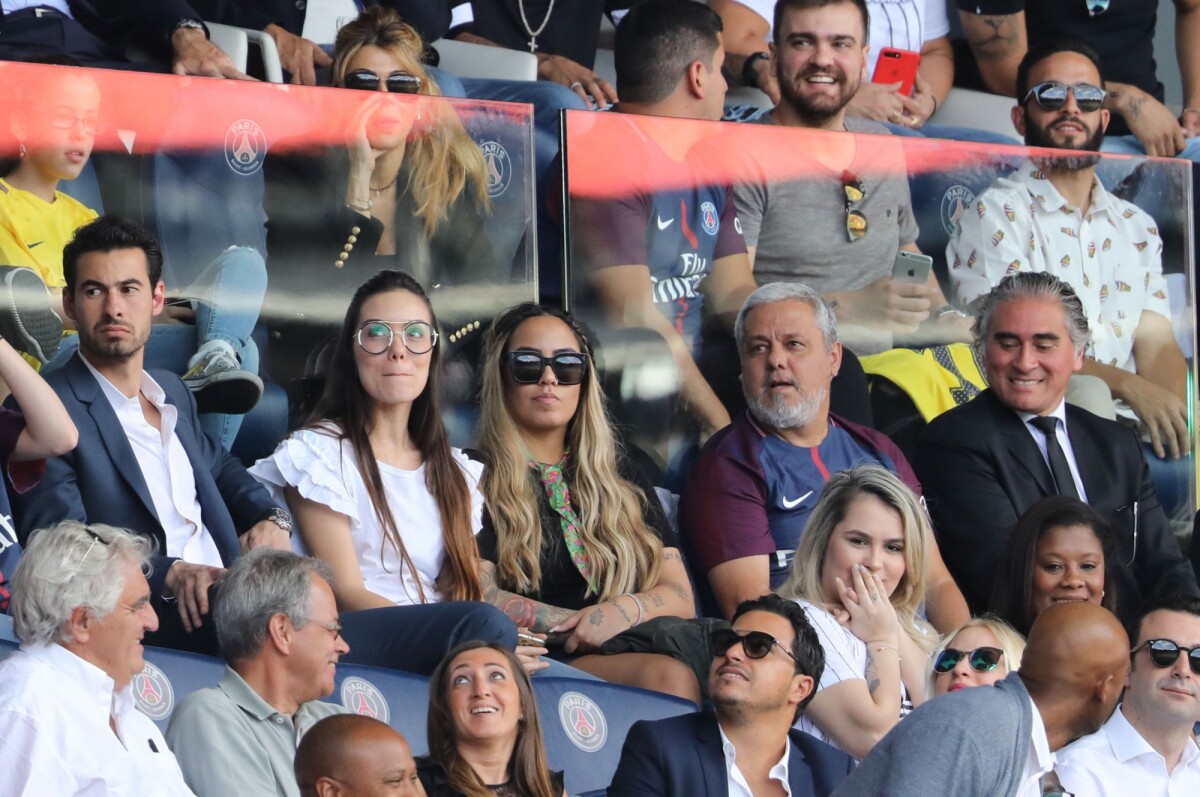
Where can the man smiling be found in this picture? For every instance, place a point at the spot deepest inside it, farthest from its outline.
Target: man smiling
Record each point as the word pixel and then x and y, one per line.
pixel 763 674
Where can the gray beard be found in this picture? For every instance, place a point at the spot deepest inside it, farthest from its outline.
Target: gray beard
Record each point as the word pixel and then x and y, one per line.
pixel 779 415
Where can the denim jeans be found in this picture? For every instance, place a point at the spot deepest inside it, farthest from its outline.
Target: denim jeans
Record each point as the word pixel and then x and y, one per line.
pixel 1129 145
pixel 954 133
pixel 227 298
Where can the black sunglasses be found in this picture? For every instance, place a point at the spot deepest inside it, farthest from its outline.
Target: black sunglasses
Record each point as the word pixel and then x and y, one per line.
pixel 397 82
pixel 527 367
pixel 756 643
pixel 980 659
pixel 1164 653
pixel 853 193
pixel 1053 95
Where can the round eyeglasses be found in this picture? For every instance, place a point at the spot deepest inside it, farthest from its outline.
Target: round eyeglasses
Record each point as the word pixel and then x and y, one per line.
pixel 375 336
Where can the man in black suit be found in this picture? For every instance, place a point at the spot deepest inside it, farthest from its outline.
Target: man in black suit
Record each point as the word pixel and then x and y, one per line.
pixel 764 673
pixel 98 32
pixel 984 463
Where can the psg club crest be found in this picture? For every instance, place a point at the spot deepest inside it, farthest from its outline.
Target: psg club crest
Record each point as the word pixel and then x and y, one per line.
pixel 498 166
pixel 245 147
pixel 152 693
pixel 709 220
pixel 362 697
pixel 583 721
pixel 956 199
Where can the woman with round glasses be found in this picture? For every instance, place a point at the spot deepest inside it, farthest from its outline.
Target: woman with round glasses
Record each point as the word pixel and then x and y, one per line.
pixel 372 481
pixel 979 652
pixel 1061 550
pixel 574 540
pixel 485 735
pixel 859 574
pixel 408 191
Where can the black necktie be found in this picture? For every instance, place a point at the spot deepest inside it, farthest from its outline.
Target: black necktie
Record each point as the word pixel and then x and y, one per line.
pixel 1058 460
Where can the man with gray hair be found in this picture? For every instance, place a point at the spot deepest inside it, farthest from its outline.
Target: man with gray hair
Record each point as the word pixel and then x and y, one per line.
pixel 756 481
pixel 81 605
pixel 277 623
pixel 985 462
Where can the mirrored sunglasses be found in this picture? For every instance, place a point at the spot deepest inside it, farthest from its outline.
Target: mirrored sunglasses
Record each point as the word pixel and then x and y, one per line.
pixel 980 659
pixel 375 337
pixel 1053 95
pixel 527 367
pixel 396 82
pixel 1164 653
pixel 756 644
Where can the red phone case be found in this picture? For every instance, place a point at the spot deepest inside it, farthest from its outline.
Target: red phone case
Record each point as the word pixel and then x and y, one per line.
pixel 897 66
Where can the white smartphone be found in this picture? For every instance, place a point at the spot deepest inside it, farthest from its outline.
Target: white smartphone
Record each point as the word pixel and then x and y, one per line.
pixel 911 267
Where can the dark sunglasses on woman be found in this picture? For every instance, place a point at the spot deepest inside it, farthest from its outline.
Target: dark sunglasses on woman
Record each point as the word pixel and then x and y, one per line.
pixel 980 659
pixel 1164 653
pixel 527 367
pixel 756 644
pixel 397 82
pixel 1053 95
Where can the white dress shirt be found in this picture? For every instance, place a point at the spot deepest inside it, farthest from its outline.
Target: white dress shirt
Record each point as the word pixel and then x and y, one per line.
pixel 55 710
pixel 9 6
pixel 1040 760
pixel 1064 440
pixel 165 467
pixel 738 787
pixel 1116 761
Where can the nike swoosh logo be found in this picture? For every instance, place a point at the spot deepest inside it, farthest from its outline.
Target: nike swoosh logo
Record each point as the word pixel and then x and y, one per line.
pixel 36 243
pixel 795 502
pixel 662 225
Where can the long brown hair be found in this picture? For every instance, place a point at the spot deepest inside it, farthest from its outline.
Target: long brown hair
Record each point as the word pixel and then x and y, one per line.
pixel 626 555
pixel 528 769
pixel 446 161
pixel 344 403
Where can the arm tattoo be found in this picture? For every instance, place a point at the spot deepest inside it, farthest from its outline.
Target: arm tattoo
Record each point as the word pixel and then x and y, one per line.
pixel 620 609
pixel 654 598
pixel 680 591
pixel 526 612
pixel 671 556
pixel 597 617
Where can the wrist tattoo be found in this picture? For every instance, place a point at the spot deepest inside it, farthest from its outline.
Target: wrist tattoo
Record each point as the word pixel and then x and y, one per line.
pixel 624 613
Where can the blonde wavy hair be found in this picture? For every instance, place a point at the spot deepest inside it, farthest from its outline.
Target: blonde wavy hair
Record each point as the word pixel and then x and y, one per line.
pixel 626 554
pixel 446 161
pixel 839 494
pixel 1007 637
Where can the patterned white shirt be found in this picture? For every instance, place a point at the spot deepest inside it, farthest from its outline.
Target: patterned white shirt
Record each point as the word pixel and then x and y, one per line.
pixel 1112 257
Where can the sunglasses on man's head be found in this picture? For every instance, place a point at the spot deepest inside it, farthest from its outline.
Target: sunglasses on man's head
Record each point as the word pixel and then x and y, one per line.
pixel 527 367
pixel 756 644
pixel 397 82
pixel 1053 95
pixel 980 659
pixel 1164 653
pixel 853 193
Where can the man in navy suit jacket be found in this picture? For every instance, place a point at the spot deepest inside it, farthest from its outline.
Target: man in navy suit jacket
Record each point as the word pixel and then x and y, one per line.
pixel 763 675
pixel 139 435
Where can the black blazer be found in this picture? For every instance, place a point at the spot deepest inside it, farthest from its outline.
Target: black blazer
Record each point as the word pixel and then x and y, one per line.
pixel 981 469
pixel 100 481
pixel 683 756
pixel 431 18
pixel 148 22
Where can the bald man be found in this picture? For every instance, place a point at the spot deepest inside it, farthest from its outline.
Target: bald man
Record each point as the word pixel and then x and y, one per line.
pixel 348 755
pixel 999 741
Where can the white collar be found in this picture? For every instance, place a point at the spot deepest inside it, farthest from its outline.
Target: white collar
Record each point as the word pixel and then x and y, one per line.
pixel 778 772
pixel 1041 743
pixel 1060 412
pixel 102 698
pixel 1127 743
pixel 148 388
pixel 1047 194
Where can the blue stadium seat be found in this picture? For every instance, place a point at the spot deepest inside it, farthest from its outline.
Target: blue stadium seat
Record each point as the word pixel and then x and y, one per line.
pixel 85 188
pixel 400 699
pixel 169 677
pixel 8 647
pixel 6 629
pixel 585 723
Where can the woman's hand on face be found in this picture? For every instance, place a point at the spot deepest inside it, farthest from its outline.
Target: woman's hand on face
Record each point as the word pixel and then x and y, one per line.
pixel 362 154
pixel 872 616
pixel 592 627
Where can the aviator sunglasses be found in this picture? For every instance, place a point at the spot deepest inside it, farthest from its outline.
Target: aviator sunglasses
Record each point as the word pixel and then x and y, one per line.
pixel 756 643
pixel 980 659
pixel 396 82
pixel 375 336
pixel 1164 653
pixel 1053 95
pixel 853 193
pixel 527 367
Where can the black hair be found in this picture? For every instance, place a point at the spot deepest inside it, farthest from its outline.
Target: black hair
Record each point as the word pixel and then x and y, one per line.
pixel 1012 596
pixel 806 648
pixel 1042 50
pixel 1180 602
pixel 783 6
pixel 108 234
pixel 657 41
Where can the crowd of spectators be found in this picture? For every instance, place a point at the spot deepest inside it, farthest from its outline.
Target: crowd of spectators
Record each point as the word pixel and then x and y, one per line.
pixel 1011 614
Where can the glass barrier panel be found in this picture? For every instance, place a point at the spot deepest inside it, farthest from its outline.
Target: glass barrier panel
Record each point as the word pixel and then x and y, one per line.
pixel 299 175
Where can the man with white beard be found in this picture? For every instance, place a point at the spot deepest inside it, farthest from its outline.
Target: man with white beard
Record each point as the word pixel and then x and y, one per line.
pixel 755 482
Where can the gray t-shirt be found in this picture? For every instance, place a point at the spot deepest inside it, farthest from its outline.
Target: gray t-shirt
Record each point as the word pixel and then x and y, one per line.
pixel 799 225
